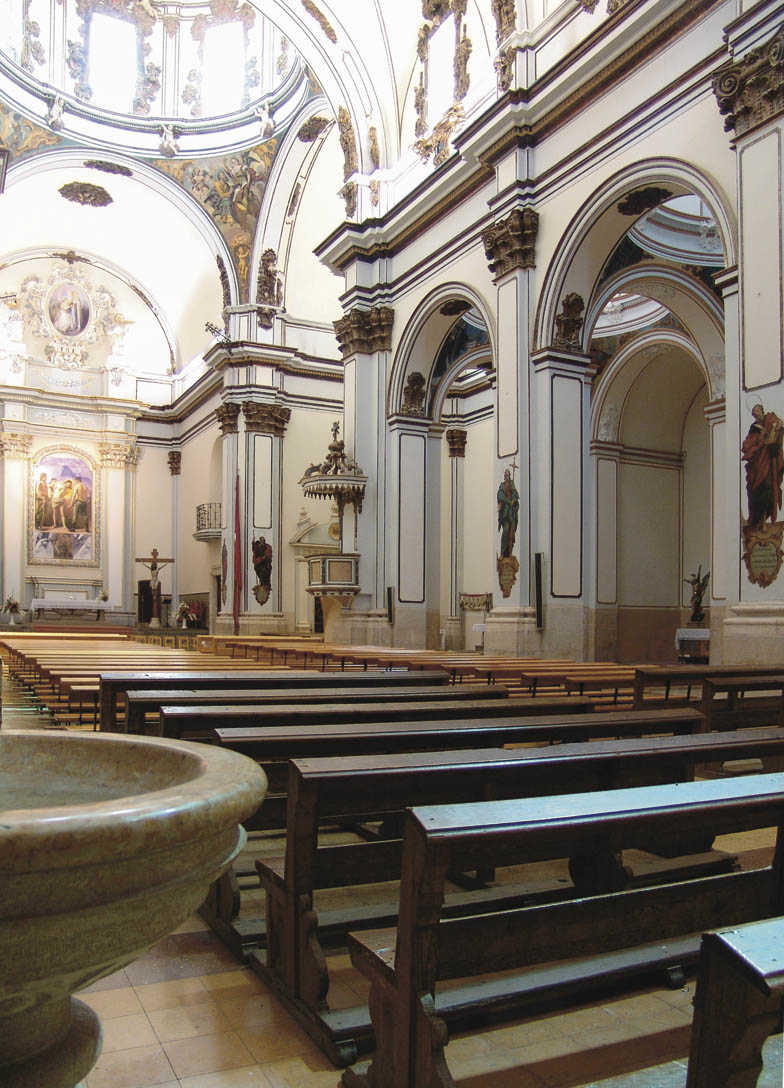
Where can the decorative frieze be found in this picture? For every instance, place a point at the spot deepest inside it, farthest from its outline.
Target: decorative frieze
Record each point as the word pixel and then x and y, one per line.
pixel 227 415
pixel 118 455
pixel 456 439
pixel 15 447
pixel 175 462
pixel 264 418
pixel 510 243
pixel 414 395
pixel 569 322
pixel 505 18
pixel 750 91
pixel 365 331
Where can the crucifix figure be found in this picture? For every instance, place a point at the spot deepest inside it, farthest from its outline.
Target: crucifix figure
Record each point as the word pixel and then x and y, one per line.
pixel 154 562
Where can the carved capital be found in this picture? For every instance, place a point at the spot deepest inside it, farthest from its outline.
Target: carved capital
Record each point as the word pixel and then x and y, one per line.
pixel 118 455
pixel 16 447
pixel 510 243
pixel 262 418
pixel 365 331
pixel 750 91
pixel 175 462
pixel 227 415
pixel 456 439
pixel 569 322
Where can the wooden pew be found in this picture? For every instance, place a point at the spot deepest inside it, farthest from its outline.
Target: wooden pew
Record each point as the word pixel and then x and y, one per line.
pixel 139 704
pixel 736 710
pixel 114 683
pixel 688 677
pixel 738 1004
pixel 350 788
pixel 608 935
pixel 182 721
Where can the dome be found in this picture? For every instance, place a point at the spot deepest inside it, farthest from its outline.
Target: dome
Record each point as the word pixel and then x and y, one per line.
pixel 150 77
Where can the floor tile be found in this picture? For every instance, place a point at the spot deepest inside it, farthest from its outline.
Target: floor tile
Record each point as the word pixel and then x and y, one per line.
pixel 207 1054
pixel 141 1067
pixel 187 1021
pixel 125 1032
pixel 252 1076
pixel 110 1003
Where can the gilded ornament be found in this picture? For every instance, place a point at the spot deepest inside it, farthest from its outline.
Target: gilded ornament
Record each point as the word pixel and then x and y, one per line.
pixel 414 395
pixel 349 194
pixel 311 129
pixel 84 192
pixel 175 462
pixel 108 167
pixel 569 323
pixel 347 142
pixel 505 18
pixel 264 418
pixel 15 447
pixel 438 143
pixel 321 19
pixel 373 151
pixel 462 53
pixel 269 290
pixel 504 68
pixel 643 200
pixel 365 331
pixel 227 415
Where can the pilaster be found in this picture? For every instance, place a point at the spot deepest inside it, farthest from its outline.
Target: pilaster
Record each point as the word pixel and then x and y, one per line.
pixel 15 448
pixel 118 471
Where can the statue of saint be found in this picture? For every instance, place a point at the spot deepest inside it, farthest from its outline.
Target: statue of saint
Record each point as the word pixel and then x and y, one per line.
pixel 762 452
pixel 508 510
pixel 698 583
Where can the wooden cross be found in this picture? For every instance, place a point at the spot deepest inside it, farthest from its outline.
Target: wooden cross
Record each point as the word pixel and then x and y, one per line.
pixel 514 466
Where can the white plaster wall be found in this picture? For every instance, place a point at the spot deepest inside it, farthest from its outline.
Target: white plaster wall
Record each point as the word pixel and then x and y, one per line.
pixel 311 290
pixel 696 493
pixel 649 533
pixel 480 511
pixel 153 512
pixel 197 486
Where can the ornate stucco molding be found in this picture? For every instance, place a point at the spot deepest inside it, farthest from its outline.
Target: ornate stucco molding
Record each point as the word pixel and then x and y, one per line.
pixel 505 18
pixel 365 331
pixel 504 68
pixel 175 462
pixel 227 416
pixel 456 439
pixel 750 91
pixel 15 447
pixel 414 395
pixel 569 322
pixel 118 455
pixel 511 243
pixel 263 418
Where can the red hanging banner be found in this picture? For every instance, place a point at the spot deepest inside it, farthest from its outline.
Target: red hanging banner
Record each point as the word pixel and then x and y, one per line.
pixel 237 558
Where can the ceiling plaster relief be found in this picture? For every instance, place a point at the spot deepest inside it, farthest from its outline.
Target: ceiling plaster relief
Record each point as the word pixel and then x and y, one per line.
pixel 33 54
pixel 83 192
pixel 505 18
pixel 326 27
pixel 269 289
pixel 350 160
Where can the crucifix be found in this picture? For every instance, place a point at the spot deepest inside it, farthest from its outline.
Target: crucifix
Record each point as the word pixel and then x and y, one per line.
pixel 154 562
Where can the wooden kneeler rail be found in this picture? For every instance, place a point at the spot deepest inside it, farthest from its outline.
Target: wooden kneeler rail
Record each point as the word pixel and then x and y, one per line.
pixel 638 928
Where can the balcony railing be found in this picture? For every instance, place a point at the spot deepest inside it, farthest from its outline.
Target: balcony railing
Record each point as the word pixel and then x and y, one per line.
pixel 208 521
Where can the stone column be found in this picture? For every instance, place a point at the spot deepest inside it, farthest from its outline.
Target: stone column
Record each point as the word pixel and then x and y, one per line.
pixel 15 449
pixel 456 438
pixel 365 338
pixel 118 477
pixel 175 468
pixel 265 425
pixel 227 415
pixel 510 248
pixel 750 93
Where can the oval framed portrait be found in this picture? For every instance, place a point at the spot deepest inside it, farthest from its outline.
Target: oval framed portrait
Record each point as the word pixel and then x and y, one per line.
pixel 68 309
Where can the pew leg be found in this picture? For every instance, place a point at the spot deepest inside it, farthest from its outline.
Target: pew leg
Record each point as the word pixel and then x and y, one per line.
pixel 430 1068
pixel 593 874
pixel 389 1065
pixel 313 976
pixel 732 1020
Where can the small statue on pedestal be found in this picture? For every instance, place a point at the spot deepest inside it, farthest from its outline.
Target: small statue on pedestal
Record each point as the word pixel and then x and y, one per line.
pixel 698 583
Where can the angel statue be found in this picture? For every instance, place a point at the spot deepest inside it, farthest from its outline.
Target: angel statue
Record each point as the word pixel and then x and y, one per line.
pixel 698 583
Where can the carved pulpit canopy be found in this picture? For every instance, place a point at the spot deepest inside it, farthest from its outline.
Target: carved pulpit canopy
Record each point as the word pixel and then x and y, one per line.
pixel 338 477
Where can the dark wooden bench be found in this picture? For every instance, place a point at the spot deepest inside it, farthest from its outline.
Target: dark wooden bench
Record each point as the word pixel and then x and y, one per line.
pixel 113 684
pixel 139 704
pixel 273 746
pixel 321 791
pixel 189 721
pixel 596 938
pixel 735 709
pixel 686 678
pixel 738 1004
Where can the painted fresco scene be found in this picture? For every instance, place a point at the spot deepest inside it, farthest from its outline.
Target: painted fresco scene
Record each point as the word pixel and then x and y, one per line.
pixel 63 513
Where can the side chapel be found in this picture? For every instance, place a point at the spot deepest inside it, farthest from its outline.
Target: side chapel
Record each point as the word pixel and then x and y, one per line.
pixel 528 256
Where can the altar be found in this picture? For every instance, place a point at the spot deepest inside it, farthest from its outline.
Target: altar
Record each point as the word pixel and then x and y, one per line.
pixel 69 605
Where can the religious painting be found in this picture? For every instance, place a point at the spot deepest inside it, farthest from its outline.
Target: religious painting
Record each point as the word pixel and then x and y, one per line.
pixel 68 309
pixel 763 453
pixel 62 511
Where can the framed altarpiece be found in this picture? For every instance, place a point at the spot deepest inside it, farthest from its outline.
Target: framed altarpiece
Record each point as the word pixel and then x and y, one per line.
pixel 63 509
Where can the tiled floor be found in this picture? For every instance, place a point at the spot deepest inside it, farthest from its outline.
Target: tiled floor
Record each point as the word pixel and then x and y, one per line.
pixel 188 1015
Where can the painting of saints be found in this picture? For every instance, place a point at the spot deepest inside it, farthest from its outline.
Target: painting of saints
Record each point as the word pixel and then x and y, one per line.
pixel 764 457
pixel 508 510
pixel 69 309
pixel 44 513
pixel 62 509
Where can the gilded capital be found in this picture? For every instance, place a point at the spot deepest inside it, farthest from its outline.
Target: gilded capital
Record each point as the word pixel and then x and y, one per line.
pixel 505 17
pixel 456 439
pixel 361 332
pixel 118 455
pixel 16 447
pixel 510 243
pixel 262 418
pixel 750 91
pixel 175 462
pixel 227 415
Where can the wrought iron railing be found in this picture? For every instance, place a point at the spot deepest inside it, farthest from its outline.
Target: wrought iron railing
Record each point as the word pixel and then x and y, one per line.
pixel 208 516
